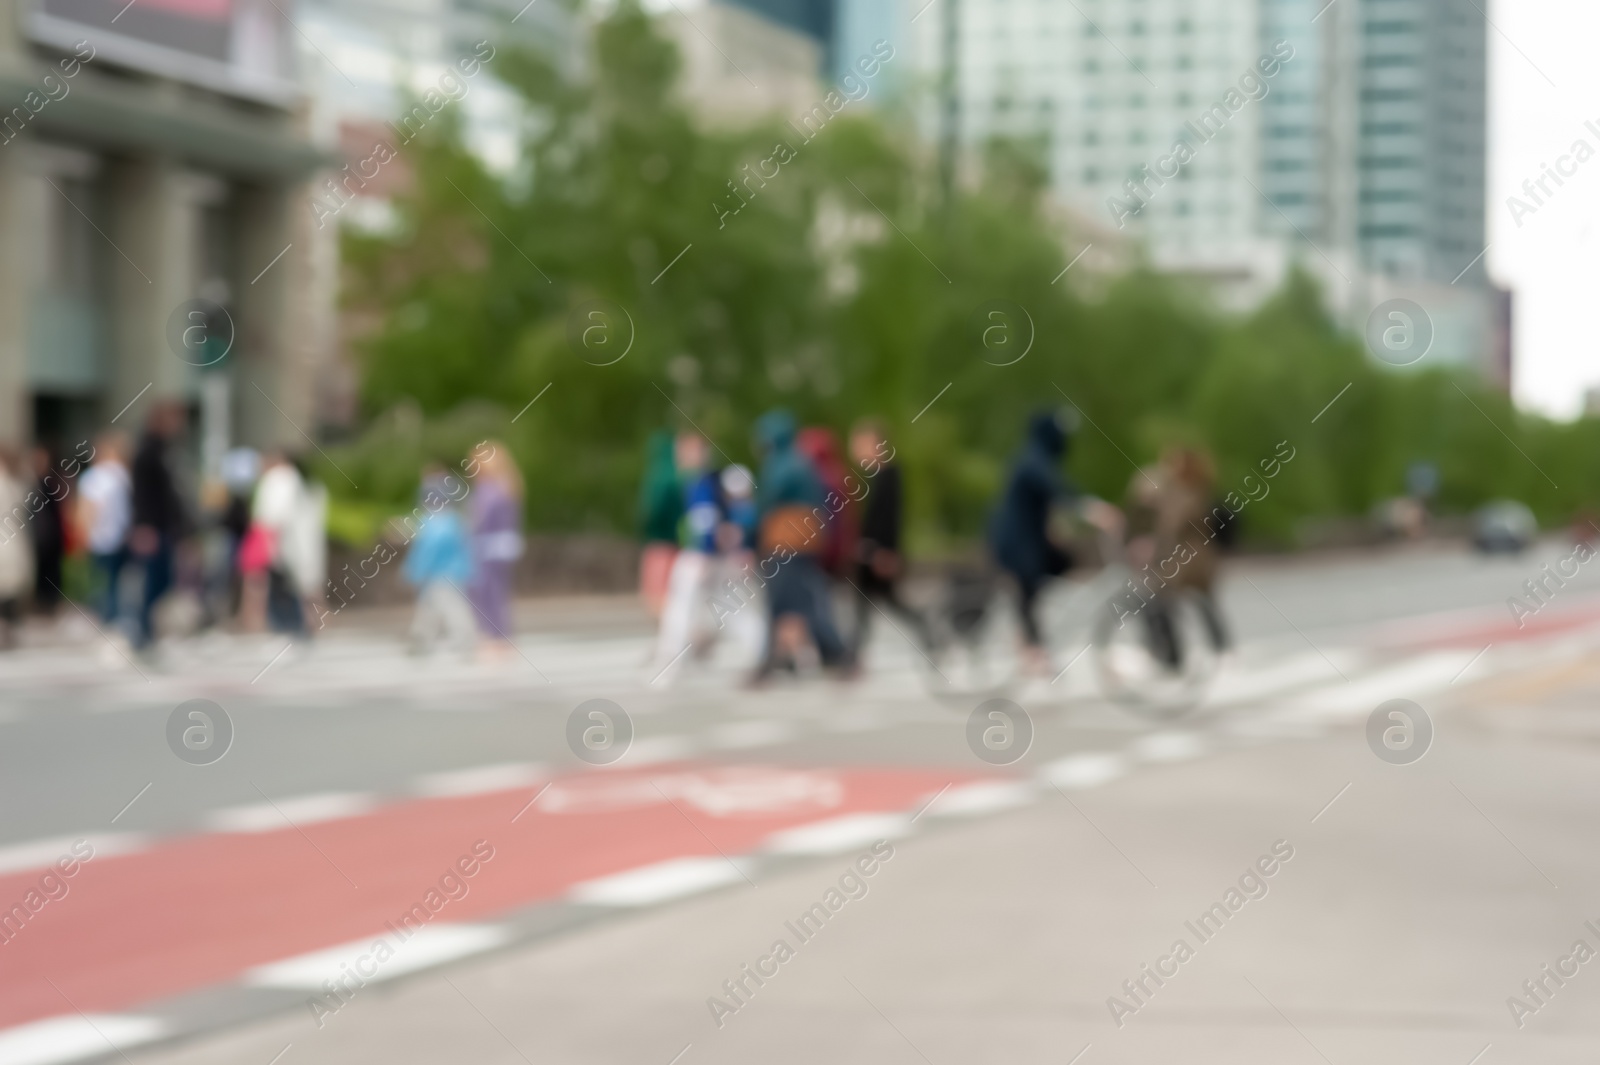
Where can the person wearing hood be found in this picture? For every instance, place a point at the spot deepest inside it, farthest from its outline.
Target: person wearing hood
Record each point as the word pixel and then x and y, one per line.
pixel 792 516
pixel 821 449
pixel 1019 534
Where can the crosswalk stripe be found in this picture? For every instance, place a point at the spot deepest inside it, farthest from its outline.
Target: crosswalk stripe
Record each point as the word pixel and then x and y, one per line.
pixel 73 1037
pixel 838 834
pixel 424 948
pixel 658 882
pixel 1084 770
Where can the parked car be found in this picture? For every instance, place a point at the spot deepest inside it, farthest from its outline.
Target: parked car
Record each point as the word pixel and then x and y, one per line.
pixel 1504 525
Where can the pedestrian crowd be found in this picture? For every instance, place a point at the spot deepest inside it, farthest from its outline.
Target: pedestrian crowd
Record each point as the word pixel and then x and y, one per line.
pixel 761 561
pixel 759 558
pixel 247 545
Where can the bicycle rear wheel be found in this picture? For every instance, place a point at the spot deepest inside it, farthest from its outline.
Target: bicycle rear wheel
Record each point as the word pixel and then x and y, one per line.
pixel 977 649
pixel 1156 658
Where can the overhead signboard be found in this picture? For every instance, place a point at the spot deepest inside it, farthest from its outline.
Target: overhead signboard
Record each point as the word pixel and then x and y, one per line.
pixel 240 47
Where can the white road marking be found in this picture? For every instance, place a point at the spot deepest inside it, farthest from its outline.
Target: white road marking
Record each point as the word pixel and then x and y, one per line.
pixel 301 810
pixel 428 946
pixel 1298 671
pixel 1088 770
pixel 39 853
pixel 838 834
pixel 986 797
pixel 73 1037
pixel 479 780
pixel 660 882
pixel 1410 678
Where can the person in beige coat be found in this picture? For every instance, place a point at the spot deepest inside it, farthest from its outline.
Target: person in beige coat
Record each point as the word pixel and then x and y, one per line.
pixel 16 550
pixel 1173 545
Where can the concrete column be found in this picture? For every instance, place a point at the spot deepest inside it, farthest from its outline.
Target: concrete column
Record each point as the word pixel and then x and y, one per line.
pixel 272 412
pixel 18 236
pixel 285 315
pixel 154 226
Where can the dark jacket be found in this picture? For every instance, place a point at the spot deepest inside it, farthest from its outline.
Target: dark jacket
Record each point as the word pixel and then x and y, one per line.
pixel 156 502
pixel 1019 530
pixel 48 526
pixel 881 513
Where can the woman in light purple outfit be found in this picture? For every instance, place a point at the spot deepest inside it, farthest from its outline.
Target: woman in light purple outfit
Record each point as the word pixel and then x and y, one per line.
pixel 497 543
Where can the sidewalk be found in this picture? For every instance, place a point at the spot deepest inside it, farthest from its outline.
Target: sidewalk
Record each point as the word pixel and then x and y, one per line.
pixel 1412 907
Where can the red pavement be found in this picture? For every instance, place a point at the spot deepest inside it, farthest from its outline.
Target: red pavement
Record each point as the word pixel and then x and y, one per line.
pixel 1477 627
pixel 197 911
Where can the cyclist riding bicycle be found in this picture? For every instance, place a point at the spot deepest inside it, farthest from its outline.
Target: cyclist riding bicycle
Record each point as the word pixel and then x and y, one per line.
pixel 1019 533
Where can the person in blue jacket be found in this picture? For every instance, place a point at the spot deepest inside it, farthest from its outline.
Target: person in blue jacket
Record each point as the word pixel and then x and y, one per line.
pixel 439 564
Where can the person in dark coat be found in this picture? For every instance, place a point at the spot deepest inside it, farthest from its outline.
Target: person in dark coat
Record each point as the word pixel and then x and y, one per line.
pixel 158 516
pixel 49 529
pixel 878 563
pixel 1019 533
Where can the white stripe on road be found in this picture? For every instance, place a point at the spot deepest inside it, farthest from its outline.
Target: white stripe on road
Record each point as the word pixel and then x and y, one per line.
pixel 424 948
pixel 974 800
pixel 73 1037
pixel 1300 671
pixel 838 834
pixel 479 780
pixel 1409 678
pixel 300 810
pixel 650 884
pixel 37 854
pixel 1088 770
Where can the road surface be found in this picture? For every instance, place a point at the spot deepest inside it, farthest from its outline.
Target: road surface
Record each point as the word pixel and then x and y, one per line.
pixel 403 859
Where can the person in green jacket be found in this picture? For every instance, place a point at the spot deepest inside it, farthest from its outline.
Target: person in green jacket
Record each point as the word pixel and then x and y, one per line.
pixel 660 511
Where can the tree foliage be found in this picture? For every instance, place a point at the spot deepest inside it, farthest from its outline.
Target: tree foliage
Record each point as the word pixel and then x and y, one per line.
pixel 844 286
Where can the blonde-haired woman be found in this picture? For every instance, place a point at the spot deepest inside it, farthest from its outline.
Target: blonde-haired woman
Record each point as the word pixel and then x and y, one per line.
pixel 496 507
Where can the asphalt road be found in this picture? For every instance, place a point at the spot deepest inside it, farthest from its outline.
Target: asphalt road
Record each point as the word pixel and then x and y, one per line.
pixel 81 738
pixel 1007 919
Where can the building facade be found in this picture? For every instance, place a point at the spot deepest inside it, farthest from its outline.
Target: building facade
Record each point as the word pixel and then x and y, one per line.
pixel 151 158
pixel 1347 138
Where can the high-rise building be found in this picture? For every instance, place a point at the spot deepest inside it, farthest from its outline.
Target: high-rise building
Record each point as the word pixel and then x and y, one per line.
pixel 843 30
pixel 1348 137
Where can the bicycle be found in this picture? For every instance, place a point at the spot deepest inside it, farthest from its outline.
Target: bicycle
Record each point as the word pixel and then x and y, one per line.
pixel 1156 657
